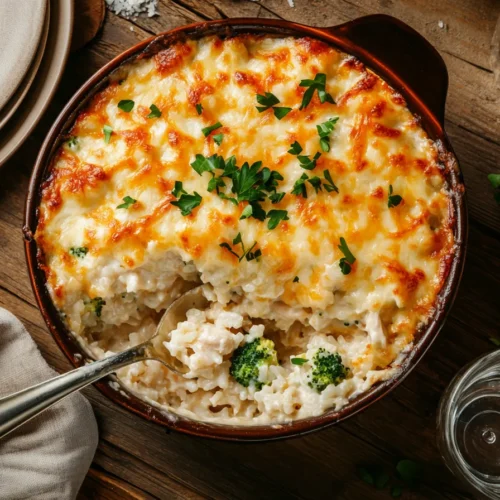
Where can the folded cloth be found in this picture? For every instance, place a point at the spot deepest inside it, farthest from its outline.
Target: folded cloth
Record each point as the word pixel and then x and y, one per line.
pixel 49 456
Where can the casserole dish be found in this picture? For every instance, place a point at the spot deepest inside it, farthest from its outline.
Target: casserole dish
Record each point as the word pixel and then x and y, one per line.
pixel 387 46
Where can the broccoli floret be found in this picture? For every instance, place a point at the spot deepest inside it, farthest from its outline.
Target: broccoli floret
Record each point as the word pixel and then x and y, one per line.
pixel 95 305
pixel 327 369
pixel 247 360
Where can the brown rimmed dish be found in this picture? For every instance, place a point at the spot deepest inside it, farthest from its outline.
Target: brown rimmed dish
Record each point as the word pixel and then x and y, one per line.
pixel 401 57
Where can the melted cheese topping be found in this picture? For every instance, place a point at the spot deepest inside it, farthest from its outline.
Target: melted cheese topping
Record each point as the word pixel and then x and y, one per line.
pixel 137 254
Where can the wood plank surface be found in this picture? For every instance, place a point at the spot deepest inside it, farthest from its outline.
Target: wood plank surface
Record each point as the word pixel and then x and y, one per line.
pixel 137 459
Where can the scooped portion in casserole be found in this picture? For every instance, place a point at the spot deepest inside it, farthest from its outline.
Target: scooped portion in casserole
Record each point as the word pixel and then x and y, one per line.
pixel 286 177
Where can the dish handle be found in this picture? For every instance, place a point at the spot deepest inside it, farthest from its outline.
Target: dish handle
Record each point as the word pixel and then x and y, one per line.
pixel 402 52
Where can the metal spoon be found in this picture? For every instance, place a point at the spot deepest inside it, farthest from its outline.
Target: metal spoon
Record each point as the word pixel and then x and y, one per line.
pixel 21 406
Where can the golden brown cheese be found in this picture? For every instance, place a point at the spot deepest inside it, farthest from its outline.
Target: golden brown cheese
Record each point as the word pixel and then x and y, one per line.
pixel 401 252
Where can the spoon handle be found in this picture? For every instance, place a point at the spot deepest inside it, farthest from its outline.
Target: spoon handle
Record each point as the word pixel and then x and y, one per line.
pixel 18 408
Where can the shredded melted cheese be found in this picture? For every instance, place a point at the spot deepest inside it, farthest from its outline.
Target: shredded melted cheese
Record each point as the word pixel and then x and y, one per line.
pixel 134 256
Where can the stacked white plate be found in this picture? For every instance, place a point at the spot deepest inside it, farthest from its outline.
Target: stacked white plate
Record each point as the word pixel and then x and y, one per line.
pixel 35 37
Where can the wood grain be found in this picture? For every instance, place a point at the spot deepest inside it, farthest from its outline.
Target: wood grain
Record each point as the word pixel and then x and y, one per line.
pixel 137 459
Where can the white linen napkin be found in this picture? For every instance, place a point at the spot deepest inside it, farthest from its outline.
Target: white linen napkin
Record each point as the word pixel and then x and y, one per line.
pixel 48 457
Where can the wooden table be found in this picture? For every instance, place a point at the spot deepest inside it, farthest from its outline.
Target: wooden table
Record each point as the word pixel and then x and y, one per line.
pixel 137 459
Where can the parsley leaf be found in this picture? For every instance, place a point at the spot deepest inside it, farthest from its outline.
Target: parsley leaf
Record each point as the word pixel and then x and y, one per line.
pixel 79 252
pixel 218 139
pixel 346 262
pixel 495 182
pixel 307 163
pixel 246 253
pixel 187 202
pixel 316 183
pixel 298 361
pixel 295 148
pixel 207 164
pixel 107 130
pixel 228 247
pixel 215 183
pixel 394 199
pixel 244 180
pixel 257 211
pixel 178 189
pixel 296 279
pixel 281 112
pixel 126 105
pixel 155 112
pixel 324 131
pixel 319 84
pixel 331 185
pixel 73 142
pixel 276 197
pixel 275 217
pixel 199 108
pixel 128 201
pixel 206 131
pixel 299 188
pixel 224 196
pixel 247 212
pixel 253 255
pixel 266 101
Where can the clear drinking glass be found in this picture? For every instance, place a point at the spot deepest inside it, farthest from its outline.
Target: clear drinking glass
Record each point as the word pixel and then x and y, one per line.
pixel 469 425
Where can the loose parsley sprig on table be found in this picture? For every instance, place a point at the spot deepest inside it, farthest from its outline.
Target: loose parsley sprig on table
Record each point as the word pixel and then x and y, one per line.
pixel 348 260
pixel 393 199
pixel 318 84
pixel 495 182
pixel 324 131
pixel 248 254
pixel 269 100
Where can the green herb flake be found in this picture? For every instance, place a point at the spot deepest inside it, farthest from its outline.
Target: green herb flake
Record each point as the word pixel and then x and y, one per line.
pixel 348 260
pixel 308 163
pixel 495 183
pixel 298 361
pixel 128 201
pixel 178 189
pixel 199 108
pixel 207 130
pixel 266 101
pixel 295 148
pixel 216 183
pixel 275 217
pixel 318 84
pixel 207 164
pixel 324 131
pixel 95 305
pixel 315 183
pixel 247 212
pixel 299 188
pixel 276 197
pixel 329 185
pixel 107 130
pixel 79 252
pixel 281 112
pixel 155 111
pixel 248 254
pixel 218 139
pixel 73 142
pixel 296 279
pixel 187 202
pixel 394 199
pixel 126 105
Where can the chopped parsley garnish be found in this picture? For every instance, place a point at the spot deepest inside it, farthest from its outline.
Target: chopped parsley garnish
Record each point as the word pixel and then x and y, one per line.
pixel 207 130
pixel 79 252
pixel 319 84
pixel 208 164
pixel 107 130
pixel 269 100
pixel 394 199
pixel 187 202
pixel 299 188
pixel 324 131
pixel 126 105
pixel 218 139
pixel 248 254
pixel 275 217
pixel 348 260
pixel 215 183
pixel 178 189
pixel 128 201
pixel 295 148
pixel 199 108
pixel 247 212
pixel 296 279
pixel 330 186
pixel 281 112
pixel 307 163
pixel 495 183
pixel 95 305
pixel 315 183
pixel 276 197
pixel 73 142
pixel 298 361
pixel 155 111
